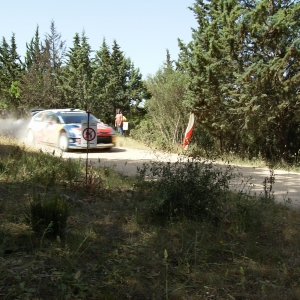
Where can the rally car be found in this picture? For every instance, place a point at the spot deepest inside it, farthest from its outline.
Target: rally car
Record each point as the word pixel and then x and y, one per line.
pixel 62 128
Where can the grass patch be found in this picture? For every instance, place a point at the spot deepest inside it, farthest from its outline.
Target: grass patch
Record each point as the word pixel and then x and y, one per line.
pixel 175 232
pixel 124 141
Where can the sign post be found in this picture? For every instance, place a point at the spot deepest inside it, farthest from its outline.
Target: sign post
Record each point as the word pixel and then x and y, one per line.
pixel 88 134
pixel 88 138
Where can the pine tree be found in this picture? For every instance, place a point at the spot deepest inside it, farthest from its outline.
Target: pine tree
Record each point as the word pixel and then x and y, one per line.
pixel 11 69
pixel 77 74
pixel 243 66
pixel 268 94
pixel 57 50
pixel 36 84
pixel 102 93
pixel 116 84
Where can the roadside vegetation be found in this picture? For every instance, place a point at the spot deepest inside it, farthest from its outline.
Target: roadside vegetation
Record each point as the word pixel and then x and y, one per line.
pixel 173 231
pixel 239 75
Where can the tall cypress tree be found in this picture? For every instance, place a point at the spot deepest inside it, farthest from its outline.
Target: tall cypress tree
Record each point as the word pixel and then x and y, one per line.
pixel 119 78
pixel 77 74
pixel 268 90
pixel 102 91
pixel 57 50
pixel 243 65
pixel 116 83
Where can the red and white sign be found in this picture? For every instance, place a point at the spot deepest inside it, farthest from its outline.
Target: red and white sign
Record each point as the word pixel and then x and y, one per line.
pixel 88 134
pixel 189 132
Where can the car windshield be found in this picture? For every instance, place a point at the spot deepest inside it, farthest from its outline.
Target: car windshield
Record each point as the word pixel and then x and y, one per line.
pixel 70 118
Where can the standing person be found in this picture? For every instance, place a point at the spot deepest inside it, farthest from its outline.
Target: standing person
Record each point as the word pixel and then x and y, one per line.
pixel 119 121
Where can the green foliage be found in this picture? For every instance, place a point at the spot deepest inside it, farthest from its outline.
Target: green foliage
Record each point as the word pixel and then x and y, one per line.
pixel 39 84
pixel 166 118
pixel 191 189
pixel 77 74
pixel 39 169
pixel 203 144
pixel 112 251
pixel 148 133
pixel 15 90
pixel 116 83
pixel 247 213
pixel 53 76
pixel 243 66
pixel 48 215
pixel 10 73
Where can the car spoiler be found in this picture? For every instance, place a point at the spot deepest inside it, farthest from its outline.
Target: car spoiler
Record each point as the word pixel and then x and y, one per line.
pixel 34 111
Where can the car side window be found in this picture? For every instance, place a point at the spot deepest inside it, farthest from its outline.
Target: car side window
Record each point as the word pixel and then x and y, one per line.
pixel 55 119
pixel 39 117
pixel 51 117
pixel 48 116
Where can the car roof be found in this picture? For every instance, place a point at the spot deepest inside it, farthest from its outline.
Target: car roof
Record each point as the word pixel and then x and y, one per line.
pixel 61 110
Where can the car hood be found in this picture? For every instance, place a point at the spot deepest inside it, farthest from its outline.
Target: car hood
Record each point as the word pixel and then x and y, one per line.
pixel 101 127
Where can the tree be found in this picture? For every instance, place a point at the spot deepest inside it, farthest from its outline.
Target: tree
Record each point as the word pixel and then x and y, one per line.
pixel 168 115
pixel 267 92
pixel 116 83
pixel 120 68
pixel 243 66
pixel 77 74
pixel 100 85
pixel 57 50
pixel 10 72
pixel 37 82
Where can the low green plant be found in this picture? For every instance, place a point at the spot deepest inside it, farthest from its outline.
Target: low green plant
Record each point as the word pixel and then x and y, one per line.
pixel 191 189
pixel 48 216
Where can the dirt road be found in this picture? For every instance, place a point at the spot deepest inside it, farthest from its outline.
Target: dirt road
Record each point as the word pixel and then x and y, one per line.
pixel 126 160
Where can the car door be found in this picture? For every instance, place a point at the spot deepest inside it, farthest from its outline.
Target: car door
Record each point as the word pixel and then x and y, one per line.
pixel 37 126
pixel 50 127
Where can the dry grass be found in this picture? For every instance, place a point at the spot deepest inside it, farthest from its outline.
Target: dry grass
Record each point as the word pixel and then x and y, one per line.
pixel 130 143
pixel 111 250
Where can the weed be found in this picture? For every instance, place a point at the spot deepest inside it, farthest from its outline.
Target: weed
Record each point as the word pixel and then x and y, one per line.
pixel 130 242
pixel 190 189
pixel 48 216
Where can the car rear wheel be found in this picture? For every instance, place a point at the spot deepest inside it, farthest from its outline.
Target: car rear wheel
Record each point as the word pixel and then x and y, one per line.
pixel 30 137
pixel 63 142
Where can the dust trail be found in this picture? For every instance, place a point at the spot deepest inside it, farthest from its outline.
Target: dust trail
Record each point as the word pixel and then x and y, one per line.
pixel 14 128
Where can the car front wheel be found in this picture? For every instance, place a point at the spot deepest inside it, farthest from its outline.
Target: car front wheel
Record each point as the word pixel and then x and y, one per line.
pixel 64 142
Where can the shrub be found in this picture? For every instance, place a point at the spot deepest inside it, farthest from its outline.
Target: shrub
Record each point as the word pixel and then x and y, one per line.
pixel 49 170
pixel 48 216
pixel 190 189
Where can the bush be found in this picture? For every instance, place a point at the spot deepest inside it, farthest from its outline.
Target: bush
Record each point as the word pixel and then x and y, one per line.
pixel 190 189
pixel 48 216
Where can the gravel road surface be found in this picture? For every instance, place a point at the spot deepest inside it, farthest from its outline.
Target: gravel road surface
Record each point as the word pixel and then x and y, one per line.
pixel 286 185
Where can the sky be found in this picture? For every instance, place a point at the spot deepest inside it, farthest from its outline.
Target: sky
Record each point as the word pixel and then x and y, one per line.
pixel 144 29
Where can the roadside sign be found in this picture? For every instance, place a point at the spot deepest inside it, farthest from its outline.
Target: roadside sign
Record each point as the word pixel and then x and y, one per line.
pixel 88 134
pixel 125 125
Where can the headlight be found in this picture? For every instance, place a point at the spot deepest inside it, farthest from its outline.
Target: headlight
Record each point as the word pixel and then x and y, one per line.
pixel 112 131
pixel 75 132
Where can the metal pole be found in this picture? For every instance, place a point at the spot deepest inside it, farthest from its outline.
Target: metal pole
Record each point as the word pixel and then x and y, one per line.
pixel 87 148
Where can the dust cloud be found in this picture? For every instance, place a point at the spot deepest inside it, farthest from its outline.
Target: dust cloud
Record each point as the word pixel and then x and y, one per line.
pixel 14 128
